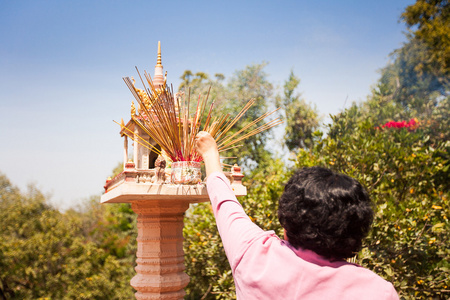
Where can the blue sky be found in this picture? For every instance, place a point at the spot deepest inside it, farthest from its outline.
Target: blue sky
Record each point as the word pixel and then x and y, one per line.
pixel 62 63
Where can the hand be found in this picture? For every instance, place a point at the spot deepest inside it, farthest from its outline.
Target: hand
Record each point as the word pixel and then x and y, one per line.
pixel 206 146
pixel 205 143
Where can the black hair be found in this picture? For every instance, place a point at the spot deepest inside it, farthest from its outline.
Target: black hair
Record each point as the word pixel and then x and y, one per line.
pixel 326 212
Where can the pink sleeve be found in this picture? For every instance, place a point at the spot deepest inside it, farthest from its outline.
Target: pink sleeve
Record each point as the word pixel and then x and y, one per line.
pixel 235 227
pixel 392 293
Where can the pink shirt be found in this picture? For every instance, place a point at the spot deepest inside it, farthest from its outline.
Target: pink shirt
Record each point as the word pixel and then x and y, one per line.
pixel 267 267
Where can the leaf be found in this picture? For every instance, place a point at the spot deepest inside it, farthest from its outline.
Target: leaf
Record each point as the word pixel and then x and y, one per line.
pixel 437 227
pixel 388 270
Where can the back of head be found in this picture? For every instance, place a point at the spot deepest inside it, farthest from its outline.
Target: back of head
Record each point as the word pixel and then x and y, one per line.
pixel 326 212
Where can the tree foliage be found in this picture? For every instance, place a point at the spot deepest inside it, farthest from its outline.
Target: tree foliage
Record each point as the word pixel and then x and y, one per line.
pixel 250 83
pixel 47 254
pixel 302 119
pixel 407 177
pixel 405 90
pixel 230 97
pixel 406 173
pixel 431 20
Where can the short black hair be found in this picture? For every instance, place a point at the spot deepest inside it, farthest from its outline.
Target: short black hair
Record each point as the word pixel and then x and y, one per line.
pixel 326 212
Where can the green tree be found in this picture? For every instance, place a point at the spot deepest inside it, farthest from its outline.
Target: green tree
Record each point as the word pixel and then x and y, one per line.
pixel 117 170
pixel 302 119
pixel 186 77
pixel 199 84
pixel 415 89
pixel 403 173
pixel 406 173
pixel 404 90
pixel 431 21
pixel 47 254
pixel 205 259
pixel 244 85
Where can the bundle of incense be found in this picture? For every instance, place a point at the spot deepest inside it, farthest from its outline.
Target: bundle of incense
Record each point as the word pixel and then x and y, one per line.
pixel 167 120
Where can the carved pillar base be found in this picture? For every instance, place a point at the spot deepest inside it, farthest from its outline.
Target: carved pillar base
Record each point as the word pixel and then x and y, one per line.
pixel 160 256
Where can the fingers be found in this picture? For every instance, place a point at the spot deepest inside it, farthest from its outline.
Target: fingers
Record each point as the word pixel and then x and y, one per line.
pixel 202 134
pixel 204 142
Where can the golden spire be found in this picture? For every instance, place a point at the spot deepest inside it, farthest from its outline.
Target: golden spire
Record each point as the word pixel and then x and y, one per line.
pixel 158 62
pixel 158 79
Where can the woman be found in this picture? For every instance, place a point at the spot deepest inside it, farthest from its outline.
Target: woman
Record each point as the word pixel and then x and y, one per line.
pixel 325 216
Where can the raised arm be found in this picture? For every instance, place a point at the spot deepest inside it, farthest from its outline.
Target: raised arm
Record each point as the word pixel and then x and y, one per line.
pixel 235 228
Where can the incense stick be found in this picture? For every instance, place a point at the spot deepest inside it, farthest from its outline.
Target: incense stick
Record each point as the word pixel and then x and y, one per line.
pixel 167 120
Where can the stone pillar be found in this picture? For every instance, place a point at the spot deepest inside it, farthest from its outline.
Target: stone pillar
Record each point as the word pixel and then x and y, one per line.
pixel 160 256
pixel 136 147
pixel 125 151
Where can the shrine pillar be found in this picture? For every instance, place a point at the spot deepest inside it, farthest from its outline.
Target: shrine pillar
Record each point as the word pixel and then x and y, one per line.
pixel 160 256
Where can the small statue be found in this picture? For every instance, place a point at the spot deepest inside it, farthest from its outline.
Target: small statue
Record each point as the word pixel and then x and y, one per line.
pixel 160 170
